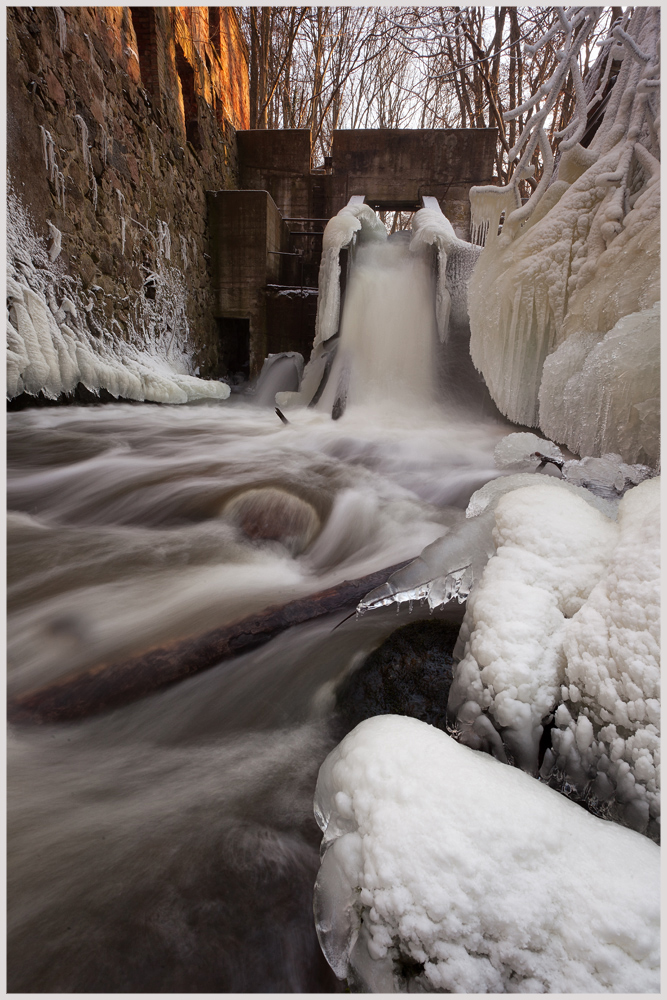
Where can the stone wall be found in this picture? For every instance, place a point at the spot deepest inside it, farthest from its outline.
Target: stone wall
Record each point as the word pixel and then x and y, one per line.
pixel 119 119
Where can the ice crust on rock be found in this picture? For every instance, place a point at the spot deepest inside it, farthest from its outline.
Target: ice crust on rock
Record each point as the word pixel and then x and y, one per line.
pixel 54 340
pixel 517 451
pixel 452 565
pixel 552 548
pixel 444 870
pixel 558 282
pixel 608 724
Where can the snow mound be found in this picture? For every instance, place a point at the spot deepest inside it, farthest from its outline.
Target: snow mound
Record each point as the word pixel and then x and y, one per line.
pixel 446 871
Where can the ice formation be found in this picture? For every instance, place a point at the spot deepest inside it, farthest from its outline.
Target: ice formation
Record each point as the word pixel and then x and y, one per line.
pixel 446 871
pixel 55 342
pixel 574 275
pixel 452 565
pixel 607 740
pixel 552 548
pixel 565 619
pixel 339 233
pixel 618 378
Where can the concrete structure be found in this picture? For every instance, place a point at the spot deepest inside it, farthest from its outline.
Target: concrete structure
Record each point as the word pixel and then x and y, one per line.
pixel 265 273
pixel 247 238
pixel 395 168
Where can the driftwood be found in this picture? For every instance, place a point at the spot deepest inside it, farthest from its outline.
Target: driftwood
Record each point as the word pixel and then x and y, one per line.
pixel 110 685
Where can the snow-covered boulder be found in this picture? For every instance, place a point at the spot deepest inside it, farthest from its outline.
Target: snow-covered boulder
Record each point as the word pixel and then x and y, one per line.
pixel 447 871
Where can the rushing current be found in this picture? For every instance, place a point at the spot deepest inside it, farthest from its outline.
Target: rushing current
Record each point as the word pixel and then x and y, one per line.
pixel 170 845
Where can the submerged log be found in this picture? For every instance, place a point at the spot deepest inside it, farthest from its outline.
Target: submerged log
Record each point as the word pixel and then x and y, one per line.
pixel 110 685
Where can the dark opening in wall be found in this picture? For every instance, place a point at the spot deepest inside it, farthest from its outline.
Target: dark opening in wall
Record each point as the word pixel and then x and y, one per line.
pixel 187 77
pixel 143 22
pixel 234 346
pixel 214 27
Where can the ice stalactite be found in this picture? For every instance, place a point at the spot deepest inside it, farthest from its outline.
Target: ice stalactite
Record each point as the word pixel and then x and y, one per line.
pixel 56 244
pixel 577 259
pixel 164 239
pixel 62 28
pixel 85 148
pixel 184 251
pixel 55 340
pixel 121 201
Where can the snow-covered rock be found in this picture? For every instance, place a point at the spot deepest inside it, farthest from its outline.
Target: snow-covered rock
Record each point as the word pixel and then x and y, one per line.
pixel 446 871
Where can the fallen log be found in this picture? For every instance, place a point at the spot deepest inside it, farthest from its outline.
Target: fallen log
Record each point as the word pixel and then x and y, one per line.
pixel 110 685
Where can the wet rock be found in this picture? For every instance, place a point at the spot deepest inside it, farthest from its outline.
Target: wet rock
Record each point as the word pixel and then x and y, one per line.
pixel 272 514
pixel 409 674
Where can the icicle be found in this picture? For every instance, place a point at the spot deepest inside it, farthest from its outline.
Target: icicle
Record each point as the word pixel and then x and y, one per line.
pixel 184 251
pixel 46 138
pixel 62 28
pixel 152 149
pixel 93 184
pixel 60 188
pixel 487 204
pixel 164 239
pixel 121 200
pixel 56 236
pixel 84 141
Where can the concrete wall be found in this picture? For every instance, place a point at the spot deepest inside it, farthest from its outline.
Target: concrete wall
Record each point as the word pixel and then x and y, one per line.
pixel 247 239
pixel 394 168
pixel 158 92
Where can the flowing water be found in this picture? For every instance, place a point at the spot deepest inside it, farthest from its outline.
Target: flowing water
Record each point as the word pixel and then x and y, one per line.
pixel 169 846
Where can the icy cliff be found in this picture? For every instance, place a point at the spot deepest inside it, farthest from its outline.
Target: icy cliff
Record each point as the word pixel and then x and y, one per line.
pixel 446 871
pixel 563 303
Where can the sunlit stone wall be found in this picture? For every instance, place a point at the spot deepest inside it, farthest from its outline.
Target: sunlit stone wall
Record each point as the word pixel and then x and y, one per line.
pixel 119 120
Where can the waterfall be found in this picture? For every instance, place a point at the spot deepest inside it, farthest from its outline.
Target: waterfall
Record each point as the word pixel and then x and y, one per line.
pixel 387 339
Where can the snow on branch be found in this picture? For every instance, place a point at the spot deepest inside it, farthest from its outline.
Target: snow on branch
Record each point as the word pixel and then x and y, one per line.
pixel 575 25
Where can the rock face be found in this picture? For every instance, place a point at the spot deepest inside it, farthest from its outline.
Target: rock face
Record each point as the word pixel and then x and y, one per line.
pixel 119 120
pixel 409 674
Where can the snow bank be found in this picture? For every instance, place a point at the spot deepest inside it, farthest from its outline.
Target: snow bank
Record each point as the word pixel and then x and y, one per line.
pixel 444 870
pixel 55 339
pixel 557 284
pixel 551 550
pixel 609 720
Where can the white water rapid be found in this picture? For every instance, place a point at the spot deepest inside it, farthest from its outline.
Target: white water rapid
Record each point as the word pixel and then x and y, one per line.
pixel 169 845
